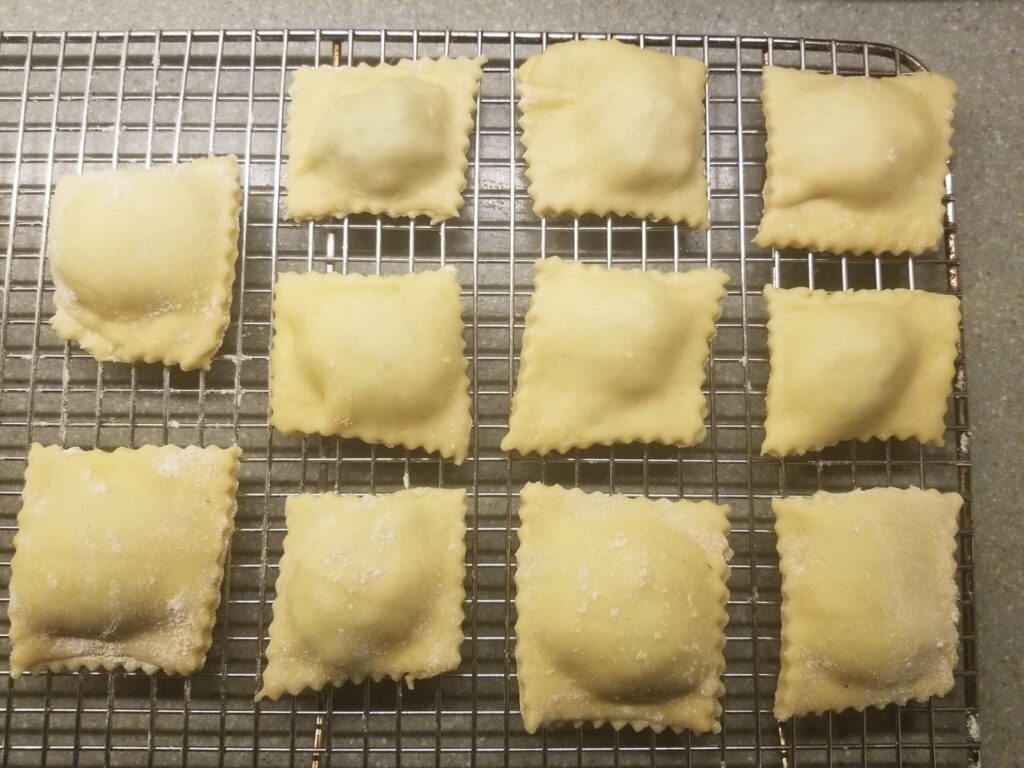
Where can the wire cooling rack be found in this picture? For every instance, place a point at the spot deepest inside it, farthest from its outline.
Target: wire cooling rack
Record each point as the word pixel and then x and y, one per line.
pixel 79 102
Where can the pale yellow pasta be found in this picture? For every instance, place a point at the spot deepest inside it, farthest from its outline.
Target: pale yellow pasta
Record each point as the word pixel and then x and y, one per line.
pixel 855 164
pixel 143 260
pixel 613 128
pixel 119 557
pixel 621 610
pixel 613 356
pixel 375 358
pixel 369 587
pixel 869 608
pixel 388 139
pixel 857 365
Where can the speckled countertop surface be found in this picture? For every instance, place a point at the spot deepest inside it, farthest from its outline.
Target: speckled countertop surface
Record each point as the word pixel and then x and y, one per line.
pixel 977 43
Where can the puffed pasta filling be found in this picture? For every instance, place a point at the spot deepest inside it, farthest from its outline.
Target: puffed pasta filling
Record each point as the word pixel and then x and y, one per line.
pixel 613 356
pixel 855 164
pixel 869 598
pixel 387 139
pixel 857 365
pixel 143 260
pixel 119 557
pixel 621 610
pixel 369 357
pixel 613 128
pixel 369 587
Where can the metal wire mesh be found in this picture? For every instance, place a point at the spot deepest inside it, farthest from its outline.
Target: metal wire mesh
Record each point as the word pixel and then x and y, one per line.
pixel 74 102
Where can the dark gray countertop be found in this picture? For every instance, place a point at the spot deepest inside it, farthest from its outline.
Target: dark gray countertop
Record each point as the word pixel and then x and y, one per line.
pixel 977 43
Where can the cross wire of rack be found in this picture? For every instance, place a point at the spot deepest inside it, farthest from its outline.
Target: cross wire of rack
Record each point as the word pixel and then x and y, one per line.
pixel 73 102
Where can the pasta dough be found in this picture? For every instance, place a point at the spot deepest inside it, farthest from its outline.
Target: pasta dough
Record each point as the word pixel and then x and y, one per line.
pixel 388 139
pixel 855 164
pixel 143 260
pixel 612 128
pixel 868 598
pixel 119 557
pixel 857 365
pixel 369 587
pixel 621 610
pixel 612 355
pixel 376 358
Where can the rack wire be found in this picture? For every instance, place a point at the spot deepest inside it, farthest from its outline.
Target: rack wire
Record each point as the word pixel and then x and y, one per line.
pixel 74 102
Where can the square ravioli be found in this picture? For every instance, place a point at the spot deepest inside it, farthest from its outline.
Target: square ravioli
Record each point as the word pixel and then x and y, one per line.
pixel 869 598
pixel 388 139
pixel 369 587
pixel 143 260
pixel 855 164
pixel 613 356
pixel 371 357
pixel 621 610
pixel 612 128
pixel 857 365
pixel 119 557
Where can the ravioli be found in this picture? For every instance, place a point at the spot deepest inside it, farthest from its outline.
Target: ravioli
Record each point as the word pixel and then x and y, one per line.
pixel 375 358
pixel 612 128
pixel 855 164
pixel 387 139
pixel 621 610
pixel 369 587
pixel 857 365
pixel 119 557
pixel 869 608
pixel 613 355
pixel 143 260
